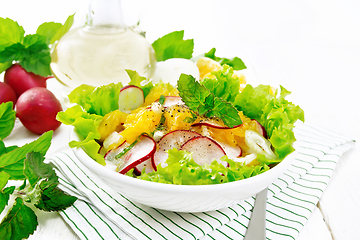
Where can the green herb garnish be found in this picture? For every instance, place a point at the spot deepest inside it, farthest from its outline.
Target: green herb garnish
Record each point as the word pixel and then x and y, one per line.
pixel 201 100
pixel 40 187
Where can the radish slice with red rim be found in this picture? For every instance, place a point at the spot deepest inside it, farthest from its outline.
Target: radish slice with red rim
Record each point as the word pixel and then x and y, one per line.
pixel 260 129
pixel 130 98
pixel 231 151
pixel 147 164
pixel 174 139
pixel 204 150
pixel 143 150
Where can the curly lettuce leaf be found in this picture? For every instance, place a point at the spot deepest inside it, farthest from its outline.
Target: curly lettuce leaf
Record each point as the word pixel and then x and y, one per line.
pixel 275 113
pixel 236 63
pixel 85 125
pixel 100 100
pixel 181 169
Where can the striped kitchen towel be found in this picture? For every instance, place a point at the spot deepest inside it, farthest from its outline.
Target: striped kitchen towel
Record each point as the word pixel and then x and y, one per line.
pixel 102 213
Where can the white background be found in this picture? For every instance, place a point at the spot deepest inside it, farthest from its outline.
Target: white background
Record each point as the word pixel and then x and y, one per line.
pixel 312 48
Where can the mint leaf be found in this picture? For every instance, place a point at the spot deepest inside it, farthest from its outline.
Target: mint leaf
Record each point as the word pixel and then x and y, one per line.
pixel 173 45
pixel 54 199
pixel 5 65
pixel 63 29
pixel 223 85
pixel 48 30
pixel 19 223
pixel 38 63
pixel 7 119
pixel 236 63
pixel 14 52
pixel 35 169
pixel 43 181
pixel 10 33
pixel 4 193
pixel 201 100
pixel 13 161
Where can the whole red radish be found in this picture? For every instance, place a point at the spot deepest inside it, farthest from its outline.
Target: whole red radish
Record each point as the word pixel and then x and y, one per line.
pixel 7 94
pixel 37 109
pixel 20 80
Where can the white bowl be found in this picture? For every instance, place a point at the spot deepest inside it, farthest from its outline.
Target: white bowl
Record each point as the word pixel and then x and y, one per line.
pixel 182 198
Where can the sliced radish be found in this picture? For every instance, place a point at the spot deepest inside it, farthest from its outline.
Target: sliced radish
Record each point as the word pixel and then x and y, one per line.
pixel 140 152
pixel 260 129
pixel 231 151
pixel 169 141
pixel 204 150
pixel 258 144
pixel 110 155
pixel 130 98
pixel 213 124
pixel 146 164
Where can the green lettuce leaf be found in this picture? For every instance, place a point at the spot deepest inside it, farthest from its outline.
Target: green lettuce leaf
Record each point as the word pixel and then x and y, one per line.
pixel 85 125
pixel 275 113
pixel 181 169
pixel 100 100
pixel 236 63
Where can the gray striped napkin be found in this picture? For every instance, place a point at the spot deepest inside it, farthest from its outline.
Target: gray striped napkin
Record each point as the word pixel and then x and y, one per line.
pixel 102 213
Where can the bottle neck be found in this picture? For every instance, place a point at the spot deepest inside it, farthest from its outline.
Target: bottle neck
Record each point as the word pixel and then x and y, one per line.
pixel 105 14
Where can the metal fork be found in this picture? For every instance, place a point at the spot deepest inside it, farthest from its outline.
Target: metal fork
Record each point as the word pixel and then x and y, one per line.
pixel 257 229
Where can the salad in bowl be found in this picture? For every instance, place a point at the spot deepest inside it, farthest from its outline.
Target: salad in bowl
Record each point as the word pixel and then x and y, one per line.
pixel 208 141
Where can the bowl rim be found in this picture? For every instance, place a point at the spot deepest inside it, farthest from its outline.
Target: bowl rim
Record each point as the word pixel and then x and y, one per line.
pixel 94 166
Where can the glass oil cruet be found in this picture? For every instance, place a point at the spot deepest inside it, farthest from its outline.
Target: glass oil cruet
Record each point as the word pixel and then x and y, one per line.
pixel 99 52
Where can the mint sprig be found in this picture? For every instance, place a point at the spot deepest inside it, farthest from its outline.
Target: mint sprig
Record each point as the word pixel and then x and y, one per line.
pixel 40 189
pixel 199 99
pixel 31 51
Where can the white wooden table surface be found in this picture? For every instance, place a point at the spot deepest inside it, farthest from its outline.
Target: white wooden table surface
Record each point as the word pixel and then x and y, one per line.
pixel 310 47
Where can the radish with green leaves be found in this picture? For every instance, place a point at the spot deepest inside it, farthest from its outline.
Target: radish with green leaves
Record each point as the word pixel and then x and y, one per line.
pixel 37 109
pixel 26 58
pixel 20 80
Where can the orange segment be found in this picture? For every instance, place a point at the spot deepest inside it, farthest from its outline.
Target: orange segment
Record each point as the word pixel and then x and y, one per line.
pixel 111 122
pixel 206 66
